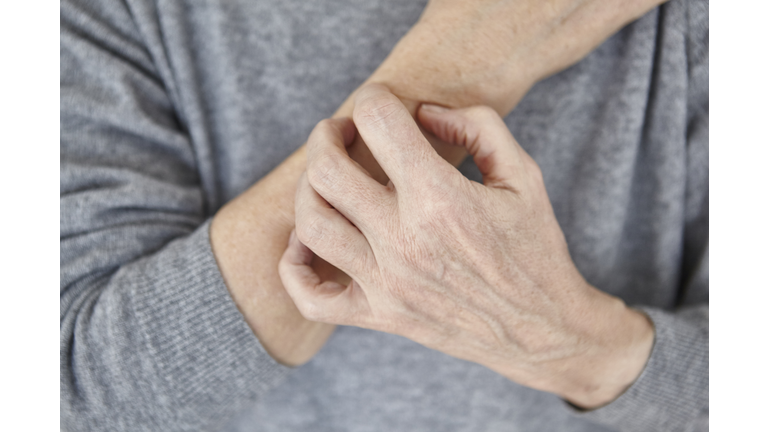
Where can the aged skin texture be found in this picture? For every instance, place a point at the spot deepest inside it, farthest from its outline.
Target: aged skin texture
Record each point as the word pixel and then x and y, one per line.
pixel 479 272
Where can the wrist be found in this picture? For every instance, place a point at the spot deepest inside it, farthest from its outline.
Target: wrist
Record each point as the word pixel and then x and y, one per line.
pixel 620 347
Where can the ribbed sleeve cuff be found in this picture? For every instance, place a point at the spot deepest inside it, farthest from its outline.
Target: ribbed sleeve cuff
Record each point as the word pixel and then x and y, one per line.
pixel 202 345
pixel 672 393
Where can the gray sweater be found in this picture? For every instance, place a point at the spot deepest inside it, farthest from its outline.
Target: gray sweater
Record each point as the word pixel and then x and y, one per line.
pixel 169 109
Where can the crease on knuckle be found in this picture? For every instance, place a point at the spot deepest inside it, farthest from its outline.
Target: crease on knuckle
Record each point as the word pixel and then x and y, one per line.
pixel 324 172
pixel 311 230
pixel 311 310
pixel 379 110
pixel 325 130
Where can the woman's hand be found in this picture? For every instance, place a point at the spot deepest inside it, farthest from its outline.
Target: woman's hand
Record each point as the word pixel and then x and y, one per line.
pixel 479 272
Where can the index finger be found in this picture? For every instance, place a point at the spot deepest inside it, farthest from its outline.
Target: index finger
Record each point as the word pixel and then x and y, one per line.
pixel 392 135
pixel 340 180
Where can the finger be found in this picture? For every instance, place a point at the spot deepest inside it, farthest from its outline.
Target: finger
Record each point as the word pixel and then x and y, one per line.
pixel 501 160
pixel 393 137
pixel 317 300
pixel 339 179
pixel 329 234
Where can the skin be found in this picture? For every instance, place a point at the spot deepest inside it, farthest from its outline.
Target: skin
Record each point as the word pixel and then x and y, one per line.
pixel 458 54
pixel 491 52
pixel 248 237
pixel 479 272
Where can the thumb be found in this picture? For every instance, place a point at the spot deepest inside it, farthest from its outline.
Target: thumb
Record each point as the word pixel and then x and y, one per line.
pixel 485 136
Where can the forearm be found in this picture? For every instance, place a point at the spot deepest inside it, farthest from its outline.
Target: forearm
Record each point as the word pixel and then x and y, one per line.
pixel 247 235
pixel 491 52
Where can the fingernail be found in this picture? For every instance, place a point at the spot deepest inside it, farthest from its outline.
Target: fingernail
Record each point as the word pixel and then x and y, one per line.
pixel 433 108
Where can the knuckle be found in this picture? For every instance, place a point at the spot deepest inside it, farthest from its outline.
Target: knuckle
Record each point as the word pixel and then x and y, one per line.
pixel 311 310
pixel 343 241
pixel 455 133
pixel 378 109
pixel 438 198
pixel 437 210
pixel 482 113
pixel 363 260
pixel 324 171
pixel 284 268
pixel 337 246
pixel 324 130
pixel 310 230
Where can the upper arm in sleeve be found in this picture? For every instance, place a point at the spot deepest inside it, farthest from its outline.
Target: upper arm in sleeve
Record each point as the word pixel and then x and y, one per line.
pixel 149 336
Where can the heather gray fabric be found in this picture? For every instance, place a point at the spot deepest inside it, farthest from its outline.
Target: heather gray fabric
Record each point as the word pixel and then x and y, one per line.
pixel 169 109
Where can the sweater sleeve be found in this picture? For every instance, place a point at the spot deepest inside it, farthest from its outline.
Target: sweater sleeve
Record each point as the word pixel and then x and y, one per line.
pixel 149 337
pixel 672 392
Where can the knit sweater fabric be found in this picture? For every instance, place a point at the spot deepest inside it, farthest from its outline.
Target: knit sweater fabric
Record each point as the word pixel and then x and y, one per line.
pixel 171 108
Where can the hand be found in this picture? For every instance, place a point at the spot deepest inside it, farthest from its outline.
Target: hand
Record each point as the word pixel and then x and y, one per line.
pixel 479 272
pixel 490 52
pixel 458 54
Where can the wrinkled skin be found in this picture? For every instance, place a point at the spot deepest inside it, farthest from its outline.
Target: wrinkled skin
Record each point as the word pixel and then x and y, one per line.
pixel 479 272
pixel 459 53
